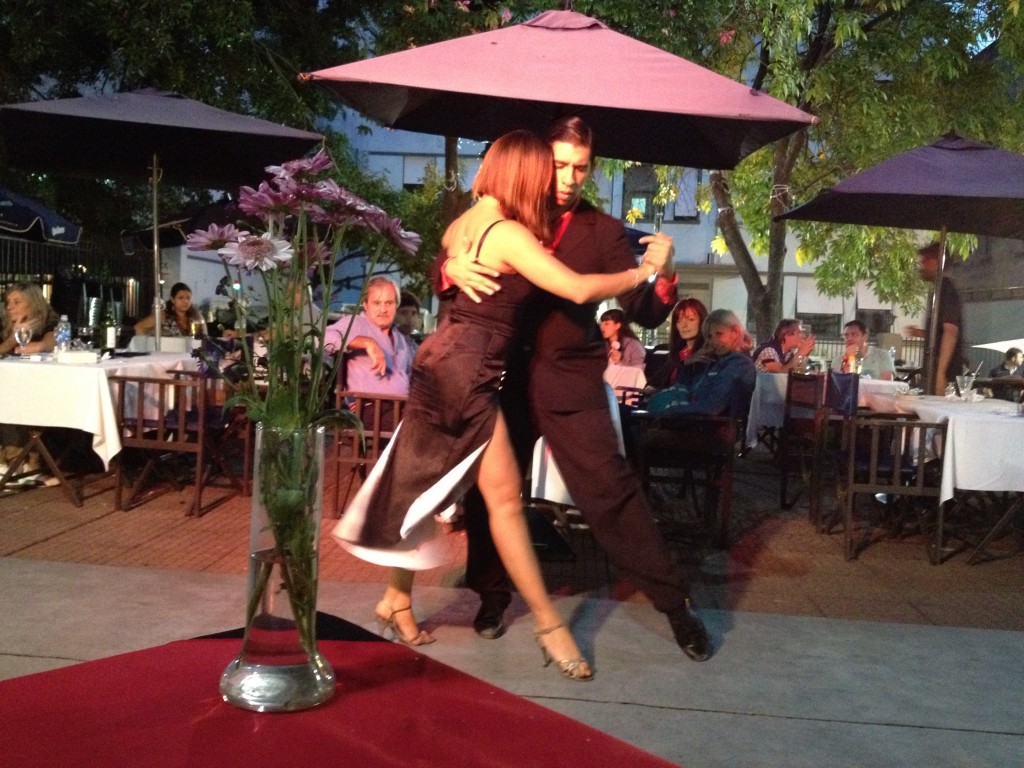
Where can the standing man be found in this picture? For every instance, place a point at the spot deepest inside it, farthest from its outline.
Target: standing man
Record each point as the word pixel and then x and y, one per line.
pixel 379 357
pixel 948 352
pixel 555 379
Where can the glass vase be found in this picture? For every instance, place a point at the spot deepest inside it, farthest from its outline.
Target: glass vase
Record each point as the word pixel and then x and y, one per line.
pixel 279 668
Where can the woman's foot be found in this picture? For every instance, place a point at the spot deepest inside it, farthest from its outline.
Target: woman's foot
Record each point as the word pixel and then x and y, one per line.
pixel 557 645
pixel 401 624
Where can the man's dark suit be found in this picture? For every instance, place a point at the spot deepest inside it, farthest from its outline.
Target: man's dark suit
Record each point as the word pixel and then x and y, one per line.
pixel 554 386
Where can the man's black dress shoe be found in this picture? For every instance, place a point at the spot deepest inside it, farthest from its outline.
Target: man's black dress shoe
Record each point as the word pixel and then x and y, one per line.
pixel 690 633
pixel 488 623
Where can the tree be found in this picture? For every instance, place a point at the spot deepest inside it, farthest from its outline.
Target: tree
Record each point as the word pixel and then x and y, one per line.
pixel 883 76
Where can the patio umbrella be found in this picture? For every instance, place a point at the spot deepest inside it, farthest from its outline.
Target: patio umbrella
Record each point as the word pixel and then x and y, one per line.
pixel 1002 346
pixel 954 184
pixel 147 134
pixel 644 104
pixel 174 231
pixel 32 220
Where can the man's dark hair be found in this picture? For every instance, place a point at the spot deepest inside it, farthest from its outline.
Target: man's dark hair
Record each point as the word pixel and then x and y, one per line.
pixel 858 325
pixel 1011 353
pixel 571 129
pixel 408 300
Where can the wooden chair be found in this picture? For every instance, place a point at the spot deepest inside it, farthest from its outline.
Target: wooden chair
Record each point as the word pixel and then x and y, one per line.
pixel 694 453
pixel 355 451
pixel 802 439
pixel 162 419
pixel 814 403
pixel 898 456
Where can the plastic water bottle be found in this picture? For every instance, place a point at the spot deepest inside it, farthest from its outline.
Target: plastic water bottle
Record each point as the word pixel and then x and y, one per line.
pixel 62 334
pixel 892 356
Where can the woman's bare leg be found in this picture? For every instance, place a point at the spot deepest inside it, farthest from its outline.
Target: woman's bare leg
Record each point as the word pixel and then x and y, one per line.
pixel 396 606
pixel 500 485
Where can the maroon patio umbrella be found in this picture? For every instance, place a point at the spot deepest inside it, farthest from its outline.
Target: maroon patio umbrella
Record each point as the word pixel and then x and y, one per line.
pixel 644 104
pixel 954 184
pixel 147 134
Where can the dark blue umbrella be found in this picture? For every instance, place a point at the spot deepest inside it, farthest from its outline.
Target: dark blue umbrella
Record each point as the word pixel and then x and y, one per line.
pixel 952 185
pixel 31 220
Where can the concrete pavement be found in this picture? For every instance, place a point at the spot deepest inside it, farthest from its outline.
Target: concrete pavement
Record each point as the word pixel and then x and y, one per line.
pixel 885 661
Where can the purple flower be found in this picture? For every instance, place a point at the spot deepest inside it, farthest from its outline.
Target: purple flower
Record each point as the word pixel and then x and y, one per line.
pixel 403 239
pixel 214 237
pixel 267 203
pixel 303 167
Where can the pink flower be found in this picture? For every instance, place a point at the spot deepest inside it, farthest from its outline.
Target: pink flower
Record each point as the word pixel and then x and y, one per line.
pixel 263 253
pixel 506 15
pixel 214 237
pixel 462 5
pixel 725 37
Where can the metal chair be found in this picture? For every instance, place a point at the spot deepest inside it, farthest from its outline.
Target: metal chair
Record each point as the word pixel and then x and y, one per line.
pixel 356 450
pixel 695 454
pixel 900 457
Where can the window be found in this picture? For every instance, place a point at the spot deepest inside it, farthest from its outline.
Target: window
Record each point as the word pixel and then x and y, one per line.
pixel 638 187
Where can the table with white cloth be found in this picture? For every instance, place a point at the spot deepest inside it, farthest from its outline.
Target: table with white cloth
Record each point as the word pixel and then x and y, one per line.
pixel 984 440
pixel 984 448
pixel 769 399
pixel 45 393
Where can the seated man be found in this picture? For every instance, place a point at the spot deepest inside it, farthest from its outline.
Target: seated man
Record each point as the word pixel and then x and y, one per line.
pixel 873 362
pixel 785 351
pixel 719 379
pixel 1011 366
pixel 379 358
pixel 409 320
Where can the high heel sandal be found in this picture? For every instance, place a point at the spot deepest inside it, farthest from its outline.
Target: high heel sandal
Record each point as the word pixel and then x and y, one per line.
pixel 577 669
pixel 386 622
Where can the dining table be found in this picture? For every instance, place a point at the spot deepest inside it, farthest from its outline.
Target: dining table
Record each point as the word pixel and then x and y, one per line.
pixel 41 392
pixel 984 448
pixel 769 399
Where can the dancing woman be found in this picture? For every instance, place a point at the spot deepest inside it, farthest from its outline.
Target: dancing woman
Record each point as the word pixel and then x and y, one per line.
pixel 453 432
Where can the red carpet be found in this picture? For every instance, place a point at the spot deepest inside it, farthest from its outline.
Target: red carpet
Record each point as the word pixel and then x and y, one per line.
pixel 161 708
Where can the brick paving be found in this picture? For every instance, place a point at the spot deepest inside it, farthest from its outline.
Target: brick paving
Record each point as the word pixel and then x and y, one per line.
pixel 776 562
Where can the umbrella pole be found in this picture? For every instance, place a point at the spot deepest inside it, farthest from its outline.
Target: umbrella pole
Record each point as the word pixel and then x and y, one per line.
pixel 932 350
pixel 157 293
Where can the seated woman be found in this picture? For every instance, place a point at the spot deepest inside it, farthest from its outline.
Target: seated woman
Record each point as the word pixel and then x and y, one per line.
pixel 180 318
pixel 786 350
pixel 624 348
pixel 717 380
pixel 685 339
pixel 25 305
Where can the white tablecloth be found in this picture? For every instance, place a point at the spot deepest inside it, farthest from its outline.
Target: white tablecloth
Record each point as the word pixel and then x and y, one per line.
pixel 51 394
pixel 984 440
pixel 769 399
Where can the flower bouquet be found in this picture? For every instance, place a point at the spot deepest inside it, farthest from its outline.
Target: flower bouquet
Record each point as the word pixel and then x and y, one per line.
pixel 307 220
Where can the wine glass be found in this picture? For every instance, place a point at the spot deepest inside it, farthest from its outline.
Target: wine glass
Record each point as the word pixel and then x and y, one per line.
pixel 85 336
pixel 22 335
